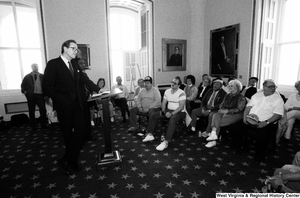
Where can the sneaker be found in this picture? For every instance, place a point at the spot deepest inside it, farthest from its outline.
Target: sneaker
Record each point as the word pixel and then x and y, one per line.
pixel 132 129
pixel 211 144
pixel 92 123
pixel 213 136
pixel 205 135
pixel 149 137
pixel 112 119
pixel 162 146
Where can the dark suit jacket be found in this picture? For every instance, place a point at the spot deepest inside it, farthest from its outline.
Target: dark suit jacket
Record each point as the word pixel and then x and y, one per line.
pixel 250 92
pixel 200 88
pixel 62 87
pixel 28 83
pixel 218 99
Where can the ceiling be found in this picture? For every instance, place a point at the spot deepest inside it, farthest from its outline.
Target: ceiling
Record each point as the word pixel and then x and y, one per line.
pixel 130 4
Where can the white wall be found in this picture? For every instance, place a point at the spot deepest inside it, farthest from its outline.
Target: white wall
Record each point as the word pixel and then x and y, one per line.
pixel 172 19
pixel 84 21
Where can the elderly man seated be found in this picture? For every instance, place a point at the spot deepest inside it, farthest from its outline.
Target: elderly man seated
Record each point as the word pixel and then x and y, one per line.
pixel 267 106
pixel 172 108
pixel 287 178
pixel 210 103
pixel 147 102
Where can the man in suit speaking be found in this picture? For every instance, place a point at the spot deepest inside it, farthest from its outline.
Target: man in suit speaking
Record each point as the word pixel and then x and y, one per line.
pixel 64 82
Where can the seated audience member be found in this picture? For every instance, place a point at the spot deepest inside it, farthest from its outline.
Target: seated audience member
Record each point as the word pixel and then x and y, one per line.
pixel 172 108
pixel 87 106
pixel 249 91
pixel 121 99
pixel 140 86
pixel 101 85
pixel 147 102
pixel 210 103
pixel 230 112
pixel 267 106
pixel 183 83
pixel 190 91
pixel 225 87
pixel 292 107
pixel 202 90
pixel 287 178
pixel 203 76
pixel 181 86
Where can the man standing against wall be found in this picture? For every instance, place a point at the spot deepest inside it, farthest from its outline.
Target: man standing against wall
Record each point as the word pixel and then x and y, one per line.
pixel 64 82
pixel 32 88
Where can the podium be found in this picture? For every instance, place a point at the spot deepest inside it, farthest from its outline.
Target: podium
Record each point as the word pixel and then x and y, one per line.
pixel 109 156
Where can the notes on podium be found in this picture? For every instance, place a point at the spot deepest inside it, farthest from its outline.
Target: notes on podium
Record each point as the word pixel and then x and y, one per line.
pixel 105 94
pixel 109 156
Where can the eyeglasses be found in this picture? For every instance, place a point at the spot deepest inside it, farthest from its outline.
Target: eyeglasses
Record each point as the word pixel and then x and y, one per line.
pixel 74 49
pixel 272 87
pixel 174 83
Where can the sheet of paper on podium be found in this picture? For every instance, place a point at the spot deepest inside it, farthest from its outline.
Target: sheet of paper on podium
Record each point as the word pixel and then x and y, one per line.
pixel 105 94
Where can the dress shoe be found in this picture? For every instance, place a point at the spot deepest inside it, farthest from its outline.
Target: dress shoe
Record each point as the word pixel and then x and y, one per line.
pixel 65 166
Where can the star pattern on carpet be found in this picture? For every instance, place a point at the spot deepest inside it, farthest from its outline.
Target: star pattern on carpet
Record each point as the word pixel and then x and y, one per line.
pixel 185 169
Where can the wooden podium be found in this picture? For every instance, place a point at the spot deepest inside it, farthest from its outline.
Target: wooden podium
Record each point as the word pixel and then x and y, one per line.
pixel 109 156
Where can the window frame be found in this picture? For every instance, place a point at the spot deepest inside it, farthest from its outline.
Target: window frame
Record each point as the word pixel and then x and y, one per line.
pixel 278 44
pixel 37 5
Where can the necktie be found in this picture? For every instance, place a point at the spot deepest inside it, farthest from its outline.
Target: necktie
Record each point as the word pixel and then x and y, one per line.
pixel 71 69
pixel 35 76
pixel 212 99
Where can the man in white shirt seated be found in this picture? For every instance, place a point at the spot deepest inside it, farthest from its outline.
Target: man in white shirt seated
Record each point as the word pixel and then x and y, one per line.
pixel 267 105
pixel 173 108
pixel 121 99
pixel 148 102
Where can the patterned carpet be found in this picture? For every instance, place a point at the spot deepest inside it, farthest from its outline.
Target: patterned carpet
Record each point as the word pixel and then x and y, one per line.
pixel 185 169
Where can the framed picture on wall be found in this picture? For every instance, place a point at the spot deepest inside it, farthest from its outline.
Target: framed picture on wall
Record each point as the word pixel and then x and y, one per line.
pixel 224 47
pixel 173 54
pixel 84 53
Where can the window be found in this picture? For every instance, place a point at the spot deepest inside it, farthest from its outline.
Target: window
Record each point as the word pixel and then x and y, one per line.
pixel 20 42
pixel 288 44
pixel 279 46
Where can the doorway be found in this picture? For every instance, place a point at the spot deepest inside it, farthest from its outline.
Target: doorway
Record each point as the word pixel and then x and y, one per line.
pixel 130 40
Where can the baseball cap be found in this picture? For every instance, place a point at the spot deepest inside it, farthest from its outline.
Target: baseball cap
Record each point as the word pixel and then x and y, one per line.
pixel 148 78
pixel 218 80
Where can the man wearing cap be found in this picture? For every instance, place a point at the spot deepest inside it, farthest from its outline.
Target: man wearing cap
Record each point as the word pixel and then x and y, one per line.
pixel 249 91
pixel 210 104
pixel 268 106
pixel 147 102
pixel 172 109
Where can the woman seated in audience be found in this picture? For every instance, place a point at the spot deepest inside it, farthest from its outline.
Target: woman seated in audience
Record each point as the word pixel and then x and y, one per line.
pixel 182 86
pixel 101 84
pixel 292 107
pixel 191 92
pixel 204 86
pixel 140 86
pixel 225 87
pixel 230 112
pixel 137 90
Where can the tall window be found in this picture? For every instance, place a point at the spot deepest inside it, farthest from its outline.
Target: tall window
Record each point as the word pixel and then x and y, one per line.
pixel 279 51
pixel 288 44
pixel 20 44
